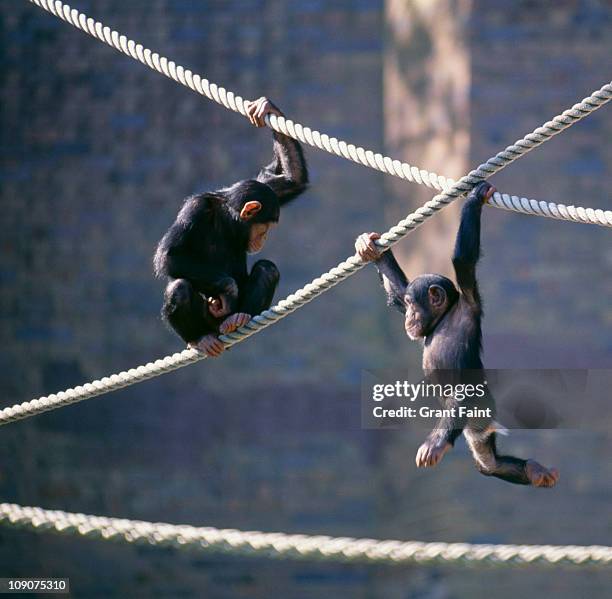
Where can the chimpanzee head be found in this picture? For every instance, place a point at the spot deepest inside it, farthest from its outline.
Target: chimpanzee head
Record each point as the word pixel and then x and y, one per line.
pixel 428 298
pixel 257 205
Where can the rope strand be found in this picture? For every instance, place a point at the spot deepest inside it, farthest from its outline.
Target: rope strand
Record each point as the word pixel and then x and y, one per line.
pixel 296 546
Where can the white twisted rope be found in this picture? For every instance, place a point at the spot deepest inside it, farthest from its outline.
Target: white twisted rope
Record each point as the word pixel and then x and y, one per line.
pixel 321 284
pixel 333 145
pixel 295 546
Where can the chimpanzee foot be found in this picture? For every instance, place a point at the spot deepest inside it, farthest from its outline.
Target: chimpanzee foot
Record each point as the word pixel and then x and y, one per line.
pixel 233 322
pixel 539 476
pixel 430 453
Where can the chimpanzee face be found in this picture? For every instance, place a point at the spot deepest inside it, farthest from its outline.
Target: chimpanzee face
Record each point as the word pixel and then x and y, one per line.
pixel 258 235
pixel 427 300
pixel 417 319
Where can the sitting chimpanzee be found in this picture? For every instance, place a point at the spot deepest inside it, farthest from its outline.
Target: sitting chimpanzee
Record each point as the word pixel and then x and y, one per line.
pixel 204 253
pixel 449 322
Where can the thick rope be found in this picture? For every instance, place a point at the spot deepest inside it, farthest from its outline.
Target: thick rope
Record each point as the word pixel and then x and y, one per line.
pixel 295 546
pixel 322 141
pixel 321 284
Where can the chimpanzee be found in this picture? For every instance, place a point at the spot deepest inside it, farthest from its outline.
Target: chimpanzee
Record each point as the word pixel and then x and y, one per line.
pixel 449 323
pixel 204 253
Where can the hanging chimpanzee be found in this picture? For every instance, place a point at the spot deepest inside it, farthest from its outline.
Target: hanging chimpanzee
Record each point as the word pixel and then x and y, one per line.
pixel 449 323
pixel 204 253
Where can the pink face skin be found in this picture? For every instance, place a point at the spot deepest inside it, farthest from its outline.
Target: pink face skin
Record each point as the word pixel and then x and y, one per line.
pixel 258 236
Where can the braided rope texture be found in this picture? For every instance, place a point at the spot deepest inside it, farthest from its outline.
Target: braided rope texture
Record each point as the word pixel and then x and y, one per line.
pixel 319 285
pixel 295 546
pixel 333 145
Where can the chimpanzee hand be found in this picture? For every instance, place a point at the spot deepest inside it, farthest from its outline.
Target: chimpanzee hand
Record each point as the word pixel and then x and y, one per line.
pixel 365 247
pixel 258 109
pixel 431 452
pixel 210 345
pixel 233 322
pixel 489 194
pixel 484 191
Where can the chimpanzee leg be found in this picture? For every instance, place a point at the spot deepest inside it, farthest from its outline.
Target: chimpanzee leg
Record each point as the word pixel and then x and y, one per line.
pixel 227 289
pixel 256 295
pixel 185 310
pixel 508 468
pixel 483 448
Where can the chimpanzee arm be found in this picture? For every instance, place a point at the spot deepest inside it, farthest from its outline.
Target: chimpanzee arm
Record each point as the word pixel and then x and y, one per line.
pixel 287 174
pixel 447 430
pixel 467 245
pixel 393 280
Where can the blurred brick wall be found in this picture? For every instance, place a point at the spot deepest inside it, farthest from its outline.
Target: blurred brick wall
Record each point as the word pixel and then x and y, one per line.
pixel 110 149
pixel 546 284
pixel 427 124
pixel 97 152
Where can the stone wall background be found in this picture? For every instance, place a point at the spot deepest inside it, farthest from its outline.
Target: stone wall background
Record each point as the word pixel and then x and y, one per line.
pixel 97 153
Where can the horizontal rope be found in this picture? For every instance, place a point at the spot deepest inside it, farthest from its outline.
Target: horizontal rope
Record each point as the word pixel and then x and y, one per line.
pixel 319 285
pixel 296 546
pixel 314 138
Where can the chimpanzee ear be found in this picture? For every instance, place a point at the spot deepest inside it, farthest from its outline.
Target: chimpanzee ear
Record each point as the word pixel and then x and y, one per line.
pixel 250 209
pixel 437 296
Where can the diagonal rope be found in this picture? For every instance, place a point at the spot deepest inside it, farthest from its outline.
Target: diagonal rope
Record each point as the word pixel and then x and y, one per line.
pixel 321 284
pixel 296 546
pixel 314 138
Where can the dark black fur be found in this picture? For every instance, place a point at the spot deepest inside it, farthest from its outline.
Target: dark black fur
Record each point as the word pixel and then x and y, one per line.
pixel 453 340
pixel 205 250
